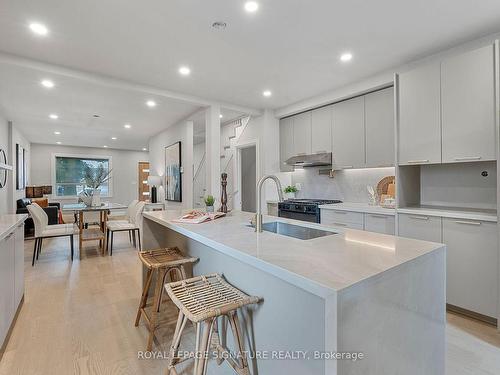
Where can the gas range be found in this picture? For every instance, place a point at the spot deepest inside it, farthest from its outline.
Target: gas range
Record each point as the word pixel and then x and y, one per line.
pixel 303 209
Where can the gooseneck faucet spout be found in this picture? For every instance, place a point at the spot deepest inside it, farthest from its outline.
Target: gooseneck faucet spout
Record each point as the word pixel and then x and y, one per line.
pixel 258 216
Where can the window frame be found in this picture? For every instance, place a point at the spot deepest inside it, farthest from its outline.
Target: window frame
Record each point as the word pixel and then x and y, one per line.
pixel 109 158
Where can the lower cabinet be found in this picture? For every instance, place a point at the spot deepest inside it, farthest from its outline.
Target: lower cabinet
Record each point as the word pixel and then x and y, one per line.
pixel 420 227
pixel 7 311
pixel 344 219
pixel 472 265
pixel 380 223
pixel 19 265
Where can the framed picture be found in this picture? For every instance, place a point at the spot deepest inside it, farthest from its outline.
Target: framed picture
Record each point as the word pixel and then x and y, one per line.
pixel 20 167
pixel 173 173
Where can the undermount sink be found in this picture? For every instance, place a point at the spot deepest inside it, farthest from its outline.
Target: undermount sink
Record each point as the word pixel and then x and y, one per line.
pixel 296 231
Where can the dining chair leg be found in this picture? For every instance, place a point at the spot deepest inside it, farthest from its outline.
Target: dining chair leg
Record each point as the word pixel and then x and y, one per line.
pixel 107 240
pixel 139 239
pixel 129 236
pixel 133 239
pixel 111 244
pixel 40 241
pixel 72 247
pixel 35 250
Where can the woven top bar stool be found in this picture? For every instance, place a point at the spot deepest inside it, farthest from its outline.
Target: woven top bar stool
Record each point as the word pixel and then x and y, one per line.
pixel 200 300
pixel 162 262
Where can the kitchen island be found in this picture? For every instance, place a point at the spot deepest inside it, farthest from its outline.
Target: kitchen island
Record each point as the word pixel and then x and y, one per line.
pixel 349 292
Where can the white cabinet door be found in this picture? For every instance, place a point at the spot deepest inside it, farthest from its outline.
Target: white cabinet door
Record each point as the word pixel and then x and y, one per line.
pixel 286 143
pixel 302 133
pixel 468 106
pixel 349 133
pixel 321 130
pixel 6 285
pixel 329 216
pixel 19 265
pixel 379 123
pixel 419 116
pixel 472 265
pixel 420 227
pixel 380 223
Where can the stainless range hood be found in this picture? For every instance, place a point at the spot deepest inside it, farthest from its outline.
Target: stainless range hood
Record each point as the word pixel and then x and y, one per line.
pixel 311 160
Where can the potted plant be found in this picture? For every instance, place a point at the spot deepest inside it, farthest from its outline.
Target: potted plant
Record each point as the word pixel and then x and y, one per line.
pixel 290 191
pixel 93 178
pixel 209 202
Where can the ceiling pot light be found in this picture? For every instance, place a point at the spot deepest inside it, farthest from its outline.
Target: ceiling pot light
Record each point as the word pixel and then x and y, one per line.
pixel 105 146
pixel 53 116
pixel 58 142
pixel 267 93
pixel 127 126
pixel 184 70
pixel 47 83
pixel 251 6
pixel 57 133
pixel 144 149
pixel 114 138
pixel 39 28
pixel 151 103
pixel 220 116
pixel 345 57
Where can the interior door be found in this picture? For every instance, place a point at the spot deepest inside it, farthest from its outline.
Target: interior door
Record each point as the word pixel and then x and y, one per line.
pixel 143 171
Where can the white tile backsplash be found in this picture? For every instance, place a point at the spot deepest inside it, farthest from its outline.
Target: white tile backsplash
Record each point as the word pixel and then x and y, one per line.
pixel 347 185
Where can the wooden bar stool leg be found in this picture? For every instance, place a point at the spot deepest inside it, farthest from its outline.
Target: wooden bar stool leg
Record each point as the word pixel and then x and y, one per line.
pixel 156 307
pixel 235 327
pixel 176 340
pixel 216 342
pixel 197 345
pixel 144 297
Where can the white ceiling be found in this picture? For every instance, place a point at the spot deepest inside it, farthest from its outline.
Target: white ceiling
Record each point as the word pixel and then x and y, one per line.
pixel 288 46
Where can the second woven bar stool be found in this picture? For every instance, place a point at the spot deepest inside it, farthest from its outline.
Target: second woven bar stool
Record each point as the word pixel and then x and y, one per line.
pixel 200 300
pixel 163 261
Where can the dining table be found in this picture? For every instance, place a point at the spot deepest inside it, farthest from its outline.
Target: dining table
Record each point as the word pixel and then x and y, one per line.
pixel 94 233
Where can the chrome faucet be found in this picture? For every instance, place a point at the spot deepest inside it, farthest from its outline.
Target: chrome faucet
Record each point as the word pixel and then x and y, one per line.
pixel 258 216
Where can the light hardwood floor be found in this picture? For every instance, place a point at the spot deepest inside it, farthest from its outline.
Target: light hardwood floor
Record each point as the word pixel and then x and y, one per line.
pixel 78 318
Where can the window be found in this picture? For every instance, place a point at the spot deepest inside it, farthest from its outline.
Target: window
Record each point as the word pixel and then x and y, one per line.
pixel 69 174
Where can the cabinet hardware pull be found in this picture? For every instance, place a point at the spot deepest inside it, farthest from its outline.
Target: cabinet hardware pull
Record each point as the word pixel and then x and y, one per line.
pixel 468 158
pixel 340 224
pixel 346 166
pixel 418 161
pixel 420 217
pixel 379 216
pixel 468 222
pixel 340 212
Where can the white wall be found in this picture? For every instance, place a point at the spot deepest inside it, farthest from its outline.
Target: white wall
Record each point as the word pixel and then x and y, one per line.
pixel 200 181
pixel 4 144
pixel 183 132
pixel 124 164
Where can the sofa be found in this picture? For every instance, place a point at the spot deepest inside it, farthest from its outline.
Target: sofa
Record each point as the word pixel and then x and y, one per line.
pixel 52 212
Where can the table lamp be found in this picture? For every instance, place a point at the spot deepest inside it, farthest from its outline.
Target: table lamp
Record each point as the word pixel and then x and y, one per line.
pixel 154 181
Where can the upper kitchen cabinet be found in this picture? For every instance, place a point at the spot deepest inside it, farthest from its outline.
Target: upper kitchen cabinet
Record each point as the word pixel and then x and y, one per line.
pixel 379 123
pixel 302 133
pixel 468 106
pixel 286 143
pixel 349 133
pixel 321 130
pixel 419 116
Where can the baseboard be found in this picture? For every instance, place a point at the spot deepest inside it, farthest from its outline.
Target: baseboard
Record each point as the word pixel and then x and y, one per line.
pixel 472 314
pixel 6 341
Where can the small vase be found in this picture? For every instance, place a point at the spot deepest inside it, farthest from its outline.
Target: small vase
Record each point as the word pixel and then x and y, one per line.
pixel 289 195
pixel 210 208
pixel 96 198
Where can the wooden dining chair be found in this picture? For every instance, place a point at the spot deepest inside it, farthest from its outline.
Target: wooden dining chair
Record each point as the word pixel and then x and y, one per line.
pixel 43 230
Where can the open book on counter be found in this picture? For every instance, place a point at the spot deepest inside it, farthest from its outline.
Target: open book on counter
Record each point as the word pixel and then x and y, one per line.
pixel 198 217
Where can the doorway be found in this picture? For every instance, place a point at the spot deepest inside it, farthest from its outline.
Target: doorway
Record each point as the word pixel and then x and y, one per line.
pixel 248 168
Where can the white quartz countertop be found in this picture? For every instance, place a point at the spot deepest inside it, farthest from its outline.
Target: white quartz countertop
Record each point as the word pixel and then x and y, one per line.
pixel 452 212
pixel 322 265
pixel 9 222
pixel 359 207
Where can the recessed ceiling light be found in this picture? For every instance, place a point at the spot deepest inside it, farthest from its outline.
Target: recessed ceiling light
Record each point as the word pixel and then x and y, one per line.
pixel 127 126
pixel 53 116
pixel 151 103
pixel 220 116
pixel 105 146
pixel 184 70
pixel 345 57
pixel 114 138
pixel 47 83
pixel 57 132
pixel 267 93
pixel 251 6
pixel 58 142
pixel 39 29
pixel 144 149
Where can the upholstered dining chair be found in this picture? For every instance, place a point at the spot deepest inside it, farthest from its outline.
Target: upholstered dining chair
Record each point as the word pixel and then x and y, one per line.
pixel 128 215
pixel 43 230
pixel 132 226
